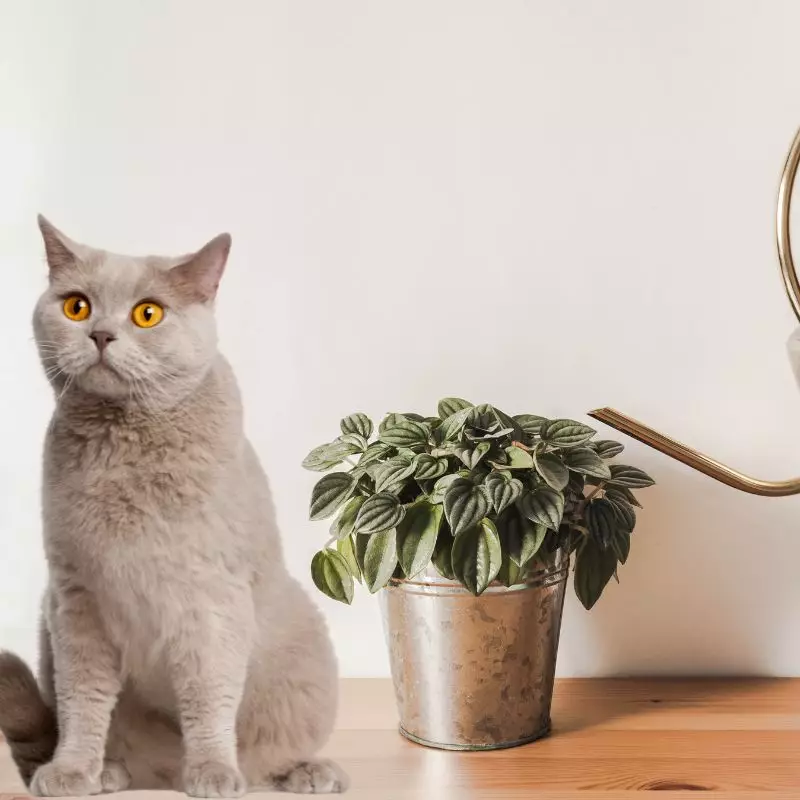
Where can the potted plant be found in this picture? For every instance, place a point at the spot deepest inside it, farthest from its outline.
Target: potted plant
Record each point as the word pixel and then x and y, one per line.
pixel 467 522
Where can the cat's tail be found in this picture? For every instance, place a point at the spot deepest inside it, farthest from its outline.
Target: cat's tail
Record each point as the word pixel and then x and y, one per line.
pixel 27 723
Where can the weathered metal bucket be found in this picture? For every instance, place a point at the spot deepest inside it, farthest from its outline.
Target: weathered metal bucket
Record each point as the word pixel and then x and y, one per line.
pixel 474 673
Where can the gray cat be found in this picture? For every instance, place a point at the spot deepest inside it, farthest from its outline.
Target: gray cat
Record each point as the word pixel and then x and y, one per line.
pixel 176 650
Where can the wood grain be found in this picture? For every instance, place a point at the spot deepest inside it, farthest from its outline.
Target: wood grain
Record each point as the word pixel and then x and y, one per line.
pixel 727 738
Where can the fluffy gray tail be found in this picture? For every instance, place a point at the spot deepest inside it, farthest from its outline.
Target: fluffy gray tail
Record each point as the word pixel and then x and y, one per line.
pixel 25 720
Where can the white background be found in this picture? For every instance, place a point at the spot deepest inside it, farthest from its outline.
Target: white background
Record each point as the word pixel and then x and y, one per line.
pixel 546 205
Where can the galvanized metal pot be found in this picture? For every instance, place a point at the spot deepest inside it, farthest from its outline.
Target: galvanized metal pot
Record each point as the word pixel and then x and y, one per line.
pixel 474 673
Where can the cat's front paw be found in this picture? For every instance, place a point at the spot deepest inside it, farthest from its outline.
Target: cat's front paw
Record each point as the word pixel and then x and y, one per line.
pixel 213 779
pixel 313 777
pixel 63 780
pixel 114 777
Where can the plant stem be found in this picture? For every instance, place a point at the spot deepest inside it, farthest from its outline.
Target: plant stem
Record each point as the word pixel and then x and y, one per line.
pixel 586 500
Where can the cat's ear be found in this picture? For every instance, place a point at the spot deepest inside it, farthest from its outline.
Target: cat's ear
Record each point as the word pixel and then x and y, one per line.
pixel 60 250
pixel 197 279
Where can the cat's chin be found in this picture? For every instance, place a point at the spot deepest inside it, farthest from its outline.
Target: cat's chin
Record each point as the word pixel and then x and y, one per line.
pixel 102 381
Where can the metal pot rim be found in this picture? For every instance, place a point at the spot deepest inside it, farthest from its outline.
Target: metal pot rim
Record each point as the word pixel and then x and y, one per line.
pixel 431 582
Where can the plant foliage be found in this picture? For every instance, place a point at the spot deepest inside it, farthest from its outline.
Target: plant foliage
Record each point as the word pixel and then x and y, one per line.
pixel 480 495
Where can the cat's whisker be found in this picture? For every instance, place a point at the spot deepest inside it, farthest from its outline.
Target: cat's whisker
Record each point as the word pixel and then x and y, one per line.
pixel 147 400
pixel 67 385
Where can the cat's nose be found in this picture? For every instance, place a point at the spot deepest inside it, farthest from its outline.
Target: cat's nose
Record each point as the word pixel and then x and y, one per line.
pixel 101 339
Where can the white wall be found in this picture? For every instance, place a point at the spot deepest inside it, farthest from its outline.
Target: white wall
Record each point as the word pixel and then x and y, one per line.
pixel 549 206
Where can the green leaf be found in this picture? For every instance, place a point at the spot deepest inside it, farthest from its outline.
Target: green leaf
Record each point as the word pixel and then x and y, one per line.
pixel 503 491
pixel 626 516
pixel 543 505
pixel 594 568
pixel 587 462
pixel 620 492
pixel 390 421
pixel 509 574
pixel 576 484
pixel 566 433
pixel 522 538
pixel 629 477
pixel 452 426
pixel 465 505
pixel 379 513
pixel 601 521
pixel 354 440
pixel 331 576
pixel 518 458
pixel 380 559
pixel 360 547
pixel 445 449
pixel 441 487
pixel 416 537
pixel 348 553
pixel 359 424
pixel 450 405
pixel 621 545
pixel 508 424
pixel 482 416
pixel 407 433
pixel 427 467
pixel 477 556
pixel 442 555
pixel 607 449
pixel 391 475
pixel 377 451
pixel 407 453
pixel 326 456
pixel 530 423
pixel 477 435
pixel 343 525
pixel 552 469
pixel 329 493
pixel 318 459
pixel 473 456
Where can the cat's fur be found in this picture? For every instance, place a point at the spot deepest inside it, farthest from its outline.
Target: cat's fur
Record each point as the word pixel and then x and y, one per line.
pixel 177 652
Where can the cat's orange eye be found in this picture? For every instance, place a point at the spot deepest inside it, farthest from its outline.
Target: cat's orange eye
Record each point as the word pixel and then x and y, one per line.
pixel 147 314
pixel 76 307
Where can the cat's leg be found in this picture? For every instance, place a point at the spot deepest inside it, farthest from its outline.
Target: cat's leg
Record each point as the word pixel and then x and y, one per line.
pixel 208 665
pixel 114 777
pixel 290 708
pixel 47 672
pixel 87 683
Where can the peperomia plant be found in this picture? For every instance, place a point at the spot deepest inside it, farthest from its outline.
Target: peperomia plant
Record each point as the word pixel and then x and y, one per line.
pixel 481 495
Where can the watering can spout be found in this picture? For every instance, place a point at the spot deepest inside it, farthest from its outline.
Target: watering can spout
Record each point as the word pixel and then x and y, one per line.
pixel 693 458
pixel 688 455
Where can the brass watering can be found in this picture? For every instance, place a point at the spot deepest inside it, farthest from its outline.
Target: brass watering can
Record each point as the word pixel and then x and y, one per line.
pixel 688 455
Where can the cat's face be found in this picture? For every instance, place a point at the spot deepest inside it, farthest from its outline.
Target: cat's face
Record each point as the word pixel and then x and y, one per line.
pixel 135 330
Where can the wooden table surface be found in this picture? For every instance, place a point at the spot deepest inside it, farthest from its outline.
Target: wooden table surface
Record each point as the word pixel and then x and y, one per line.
pixel 730 739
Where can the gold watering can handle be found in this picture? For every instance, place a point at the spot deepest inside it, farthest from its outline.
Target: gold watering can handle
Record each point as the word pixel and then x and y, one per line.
pixel 688 455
